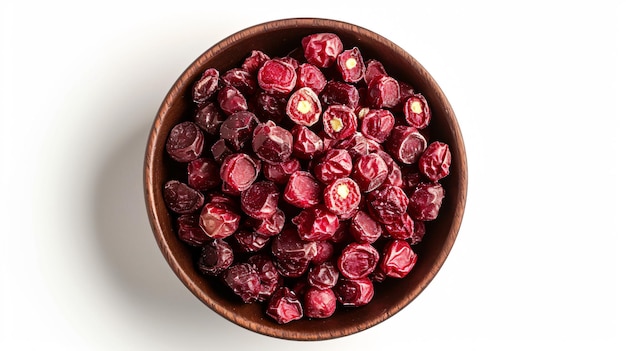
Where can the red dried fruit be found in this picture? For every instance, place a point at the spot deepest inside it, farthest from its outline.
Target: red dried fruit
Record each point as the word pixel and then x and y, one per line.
pixel 203 174
pixel 237 129
pixel 351 66
pixel 268 107
pixel 304 107
pixel 398 259
pixel 288 246
pixel 271 143
pixel 373 70
pixel 279 173
pixel 395 173
pixel 302 190
pixel 209 118
pixel 220 150
pixel 334 164
pixel 357 260
pixel 339 121
pixel 260 200
pixel 377 124
pixel 270 279
pixel 426 201
pixel 322 49
pixel 383 92
pixel 387 203
pixel 189 231
pixel 319 303
pixel 218 221
pixel 356 145
pixel 325 250
pixel 418 233
pixel 340 93
pixel 401 228
pixel 239 171
pixel 269 226
pixel 292 268
pixel 406 144
pixel 254 61
pixel 181 198
pixel 231 100
pixel 316 223
pixel 241 79
pixel 277 77
pixel 243 279
pixel 247 241
pixel 185 142
pixel 364 228
pixel 310 76
pixel 354 292
pixel 323 276
pixel 342 196
pixel 370 172
pixel 416 111
pixel 205 87
pixel 284 306
pixel 215 257
pixel 306 143
pixel 434 163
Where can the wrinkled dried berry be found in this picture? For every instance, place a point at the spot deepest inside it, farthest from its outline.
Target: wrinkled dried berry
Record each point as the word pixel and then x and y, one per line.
pixel 398 259
pixel 271 143
pixel 279 173
pixel 334 164
pixel 244 280
pixel 323 276
pixel 284 306
pixel 215 257
pixel 339 121
pixel 247 241
pixel 206 86
pixel 401 227
pixel 306 143
pixel 322 49
pixel 288 246
pixel 364 228
pixel 181 198
pixel 310 76
pixel 203 174
pixel 434 163
pixel 260 200
pixel 239 171
pixel 426 201
pixel 342 196
pixel 340 93
pixel 269 107
pixel 302 190
pixel 387 203
pixel 370 172
pixel 220 150
pixel 189 231
pixel 241 79
pixel 316 223
pixel 269 226
pixel 254 61
pixel 377 124
pixel 231 100
pixel 319 303
pixel 237 129
pixel 277 77
pixel 351 66
pixel 383 92
pixel 373 70
pixel 268 274
pixel 185 142
pixel 325 249
pixel 218 221
pixel 304 107
pixel 416 111
pixel 357 260
pixel 209 118
pixel 406 144
pixel 354 292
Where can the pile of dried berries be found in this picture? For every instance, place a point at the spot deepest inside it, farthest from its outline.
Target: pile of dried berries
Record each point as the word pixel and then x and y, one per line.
pixel 309 178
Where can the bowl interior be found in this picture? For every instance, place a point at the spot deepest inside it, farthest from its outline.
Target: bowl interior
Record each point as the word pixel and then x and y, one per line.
pixel 278 38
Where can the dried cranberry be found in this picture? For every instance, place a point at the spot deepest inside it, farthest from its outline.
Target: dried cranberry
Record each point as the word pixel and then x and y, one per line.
pixel 351 66
pixel 220 150
pixel 418 233
pixel 271 143
pixel 244 280
pixel 206 86
pixel 185 142
pixel 239 171
pixel 241 79
pixel 364 228
pixel 426 201
pixel 334 164
pixel 339 121
pixel 339 93
pixel 401 228
pixel 269 226
pixel 356 145
pixel 270 279
pixel 411 177
pixel 398 259
pixel 322 49
pixel 288 246
pixel 325 250
pixel 323 276
pixel 218 221
pixel 416 111
pixel 237 129
pixel 203 174
pixel 316 223
pixel 342 196
pixel 292 268
pixel 231 100
pixel 373 70
pixel 277 77
pixel 279 173
pixel 181 198
pixel 215 257
pixel 260 200
pixel 254 61
pixel 357 260
pixel 387 203
pixel 247 241
pixel 310 76
pixel 377 124
pixel 302 190
pixel 269 107
pixel 370 172
pixel 395 173
pixel 354 292
pixel 434 163
pixel 304 107
pixel 189 231
pixel 284 306
pixel 406 144
pixel 383 92
pixel 319 303
pixel 209 118
pixel 306 143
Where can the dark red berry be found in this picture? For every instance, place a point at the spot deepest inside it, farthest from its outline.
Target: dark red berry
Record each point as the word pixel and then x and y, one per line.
pixel 239 171
pixel 218 221
pixel 340 93
pixel 271 143
pixel 260 200
pixel 206 86
pixel 434 163
pixel 254 61
pixel 270 279
pixel 398 259
pixel 325 249
pixel 418 233
pixel 373 70
pixel 406 144
pixel 426 201
pixel 220 150
pixel 316 223
pixel 304 107
pixel 231 100
pixel 306 143
pixel 277 77
pixel 181 198
pixel 247 241
pixel 241 79
pixel 189 231
pixel 269 226
pixel 215 257
pixel 387 203
pixel 342 196
pixel 395 173
pixel 339 121
pixel 364 228
pixel 377 124
pixel 383 92
pixel 351 66
pixel 319 303
pixel 356 145
pixel 244 280
pixel 354 292
pixel 357 260
pixel 279 173
pixel 302 190
pixel 310 76
pixel 416 111
pixel 288 246
pixel 209 118
pixel 370 172
pixel 322 49
pixel 334 164
pixel 401 228
pixel 269 107
pixel 203 174
pixel 323 276
pixel 284 306
pixel 292 268
pixel 185 142
pixel 237 129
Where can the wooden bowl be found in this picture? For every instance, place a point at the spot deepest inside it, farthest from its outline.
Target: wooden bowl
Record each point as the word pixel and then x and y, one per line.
pixel 278 38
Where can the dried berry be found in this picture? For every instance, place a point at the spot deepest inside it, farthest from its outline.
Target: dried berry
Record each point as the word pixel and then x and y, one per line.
pixel 351 66
pixel 260 200
pixel 319 303
pixel 218 221
pixel 322 49
pixel 426 201
pixel 339 121
pixel 271 143
pixel 181 198
pixel 185 142
pixel 244 280
pixel 316 223
pixel 239 171
pixel 354 292
pixel 215 257
pixel 206 86
pixel 342 196
pixel 434 163
pixel 302 190
pixel 416 111
pixel 284 306
pixel 357 260
pixel 277 77
pixel 398 259
pixel 406 144
pixel 304 107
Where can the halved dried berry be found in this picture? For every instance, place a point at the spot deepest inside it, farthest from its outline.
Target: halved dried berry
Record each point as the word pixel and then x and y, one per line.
pixel 416 111
pixel 239 171
pixel 339 121
pixel 342 196
pixel 351 66
pixel 304 107
pixel 406 144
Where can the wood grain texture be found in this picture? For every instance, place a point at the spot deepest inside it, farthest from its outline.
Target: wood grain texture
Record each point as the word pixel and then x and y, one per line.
pixel 278 38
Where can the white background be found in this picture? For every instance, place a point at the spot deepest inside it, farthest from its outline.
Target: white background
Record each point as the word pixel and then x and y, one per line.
pixel 539 260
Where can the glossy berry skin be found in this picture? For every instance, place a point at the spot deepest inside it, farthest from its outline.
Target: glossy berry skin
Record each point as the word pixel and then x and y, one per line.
pixel 189 231
pixel 377 124
pixel 373 70
pixel 209 117
pixel 316 223
pixel 416 111
pixel 237 129
pixel 426 201
pixel 240 79
pixel 231 100
pixel 218 221
pixel 334 164
pixel 247 241
pixel 319 303
pixel 288 246
pixel 434 163
pixel 260 200
pixel 203 174
pixel 302 190
pixel 277 77
pixel 342 196
pixel 268 106
pixel 185 142
pixel 206 87
pixel 339 121
pixel 398 259
pixel 306 144
pixel 364 228
pixel 357 260
pixel 310 76
pixel 370 172
pixel 350 65
pixel 323 276
pixel 406 144
pixel 387 203
pixel 244 280
pixel 383 92
pixel 340 93
pixel 269 226
pixel 215 257
pixel 271 143
pixel 254 61
pixel 322 49
pixel 304 107
pixel 354 292
pixel 181 198
pixel 239 171
pixel 284 306
pixel 325 249
pixel 401 228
